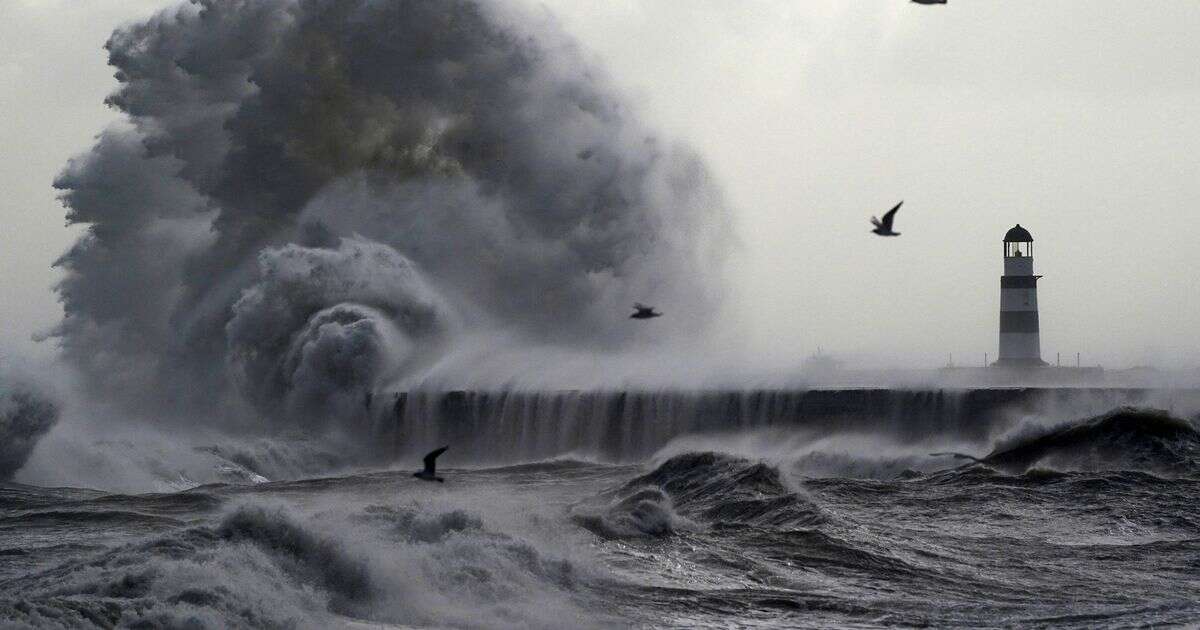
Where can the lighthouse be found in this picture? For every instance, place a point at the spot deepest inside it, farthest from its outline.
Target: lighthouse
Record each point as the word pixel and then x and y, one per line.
pixel 1020 344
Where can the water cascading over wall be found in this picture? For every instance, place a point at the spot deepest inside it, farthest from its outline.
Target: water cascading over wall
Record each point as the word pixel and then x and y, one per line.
pixel 627 426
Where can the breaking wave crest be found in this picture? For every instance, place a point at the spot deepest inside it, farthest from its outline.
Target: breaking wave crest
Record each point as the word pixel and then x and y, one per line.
pixel 266 566
pixel 647 512
pixel 1126 439
pixel 710 489
pixel 257 568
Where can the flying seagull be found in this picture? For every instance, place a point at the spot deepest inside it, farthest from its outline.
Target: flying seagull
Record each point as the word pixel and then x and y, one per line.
pixel 430 472
pixel 884 227
pixel 644 312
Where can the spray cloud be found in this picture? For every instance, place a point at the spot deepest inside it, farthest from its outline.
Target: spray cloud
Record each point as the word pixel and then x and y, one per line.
pixel 309 198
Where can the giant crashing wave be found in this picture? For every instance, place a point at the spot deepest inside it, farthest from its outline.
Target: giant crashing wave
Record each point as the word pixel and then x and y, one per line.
pixel 308 200
pixel 1126 439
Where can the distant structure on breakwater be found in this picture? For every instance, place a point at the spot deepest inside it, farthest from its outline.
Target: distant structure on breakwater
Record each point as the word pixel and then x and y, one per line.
pixel 1020 331
pixel 1020 358
pixel 1019 362
pixel 1020 339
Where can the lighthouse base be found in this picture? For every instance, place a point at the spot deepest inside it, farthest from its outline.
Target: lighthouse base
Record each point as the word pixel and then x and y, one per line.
pixel 1020 363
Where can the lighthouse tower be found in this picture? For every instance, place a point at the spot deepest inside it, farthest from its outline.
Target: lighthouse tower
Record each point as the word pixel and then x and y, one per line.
pixel 1020 344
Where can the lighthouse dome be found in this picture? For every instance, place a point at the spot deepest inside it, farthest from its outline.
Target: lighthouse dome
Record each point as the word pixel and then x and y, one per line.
pixel 1018 234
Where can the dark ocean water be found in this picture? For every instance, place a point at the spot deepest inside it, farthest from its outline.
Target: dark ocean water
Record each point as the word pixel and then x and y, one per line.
pixel 1092 524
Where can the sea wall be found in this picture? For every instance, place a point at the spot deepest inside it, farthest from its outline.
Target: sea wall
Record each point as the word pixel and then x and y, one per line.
pixel 510 426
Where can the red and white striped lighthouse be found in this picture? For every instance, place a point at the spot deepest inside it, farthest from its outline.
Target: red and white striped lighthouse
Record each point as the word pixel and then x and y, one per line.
pixel 1020 343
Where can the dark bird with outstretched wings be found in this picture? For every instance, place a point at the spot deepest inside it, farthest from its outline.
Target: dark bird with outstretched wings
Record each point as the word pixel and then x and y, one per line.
pixel 884 227
pixel 641 311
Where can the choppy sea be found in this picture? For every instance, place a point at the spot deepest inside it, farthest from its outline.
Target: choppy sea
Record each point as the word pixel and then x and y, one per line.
pixel 1091 523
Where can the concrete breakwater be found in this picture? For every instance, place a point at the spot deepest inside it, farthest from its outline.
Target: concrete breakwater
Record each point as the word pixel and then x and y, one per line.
pixel 628 426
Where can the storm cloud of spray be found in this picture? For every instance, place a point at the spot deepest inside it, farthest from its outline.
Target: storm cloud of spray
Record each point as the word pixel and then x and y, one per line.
pixel 26 414
pixel 311 198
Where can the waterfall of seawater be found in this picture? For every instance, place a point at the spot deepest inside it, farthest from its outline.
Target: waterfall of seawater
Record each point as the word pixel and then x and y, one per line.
pixel 490 427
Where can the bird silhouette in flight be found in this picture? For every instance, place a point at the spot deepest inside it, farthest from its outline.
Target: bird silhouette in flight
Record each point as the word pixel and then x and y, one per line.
pixel 884 227
pixel 430 471
pixel 641 311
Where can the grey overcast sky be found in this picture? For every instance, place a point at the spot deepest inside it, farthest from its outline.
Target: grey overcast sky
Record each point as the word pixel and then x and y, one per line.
pixel 1078 119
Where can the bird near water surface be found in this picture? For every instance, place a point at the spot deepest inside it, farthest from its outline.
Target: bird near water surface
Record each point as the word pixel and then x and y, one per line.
pixel 884 227
pixel 430 471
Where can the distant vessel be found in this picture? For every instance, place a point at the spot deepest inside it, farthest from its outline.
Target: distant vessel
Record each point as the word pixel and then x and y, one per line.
pixel 821 363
